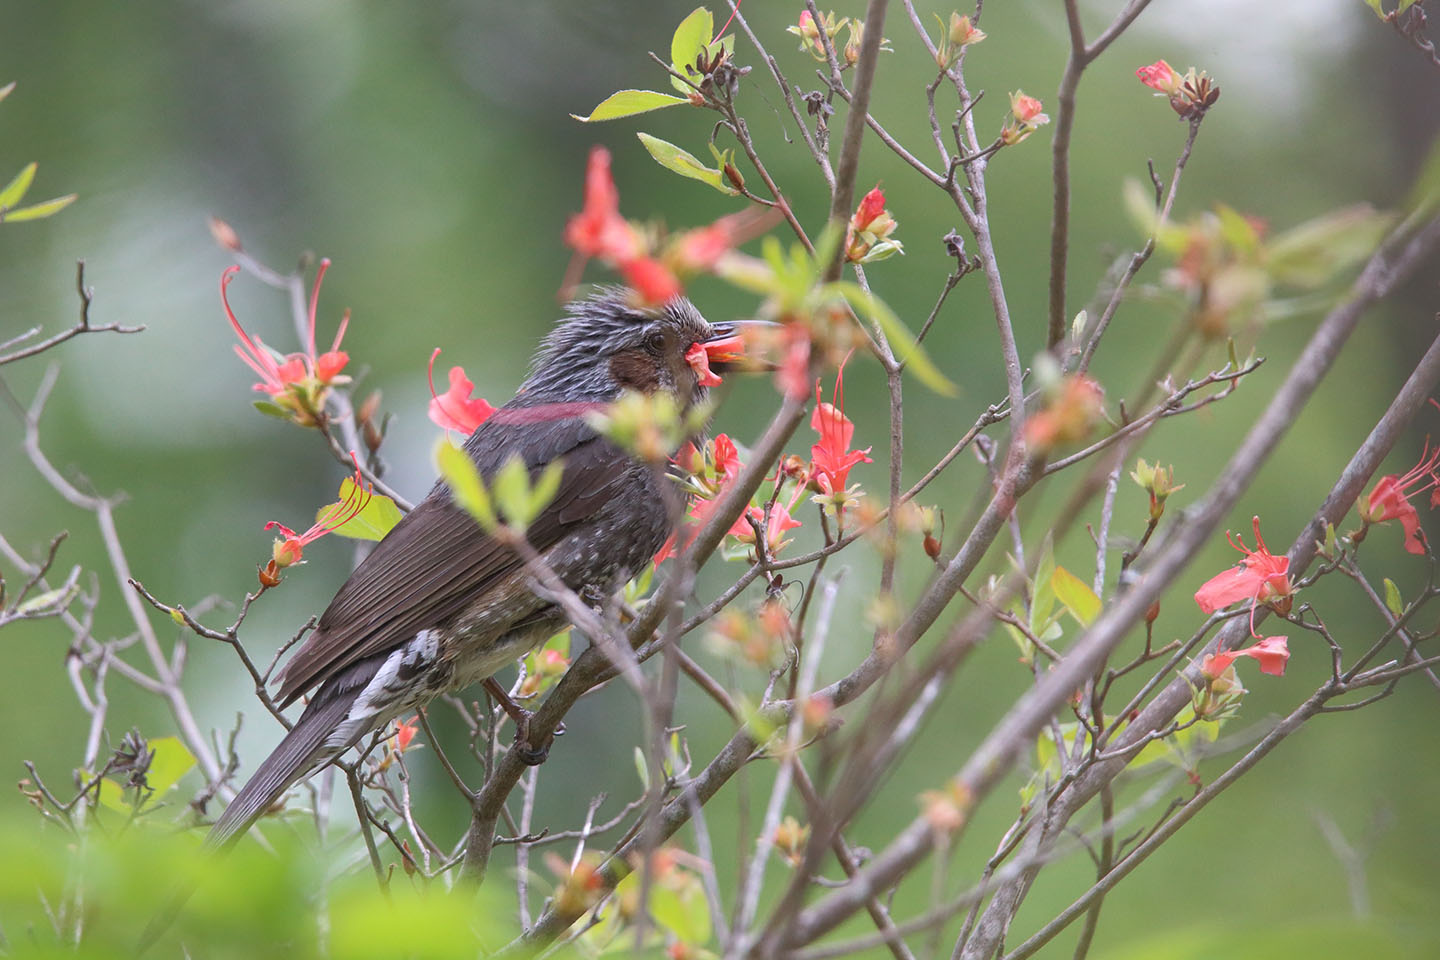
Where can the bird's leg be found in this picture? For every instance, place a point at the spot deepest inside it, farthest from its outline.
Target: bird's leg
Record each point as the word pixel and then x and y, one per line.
pixel 530 754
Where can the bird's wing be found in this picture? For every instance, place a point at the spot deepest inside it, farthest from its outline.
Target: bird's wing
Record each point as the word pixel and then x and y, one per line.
pixel 437 559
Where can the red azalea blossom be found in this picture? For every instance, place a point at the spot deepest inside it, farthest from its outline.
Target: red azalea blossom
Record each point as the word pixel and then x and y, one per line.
pixel 702 248
pixel 290 546
pixel 599 230
pixel 1272 653
pixel 1390 498
pixel 870 207
pixel 405 731
pixel 699 360
pixel 650 278
pixel 778 521
pixel 1027 109
pixel 652 271
pixel 832 457
pixel 279 372
pixel 455 409
pixel 725 459
pixel 1261 577
pixel 1024 119
pixel 1160 76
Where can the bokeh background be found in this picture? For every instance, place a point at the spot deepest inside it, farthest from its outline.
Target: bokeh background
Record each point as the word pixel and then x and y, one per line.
pixel 428 150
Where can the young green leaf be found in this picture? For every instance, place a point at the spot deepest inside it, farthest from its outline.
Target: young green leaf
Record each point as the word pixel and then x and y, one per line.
pixel 171 761
pixel 38 211
pixel 902 342
pixel 1075 595
pixel 686 164
pixel 691 39
pixel 377 518
pixel 112 795
pixel 510 491
pixel 14 191
pixel 642 769
pixel 270 409
pixel 627 103
pixel 55 599
pixel 1393 601
pixel 463 479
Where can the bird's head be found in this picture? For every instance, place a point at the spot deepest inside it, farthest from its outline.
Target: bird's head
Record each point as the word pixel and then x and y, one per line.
pixel 606 345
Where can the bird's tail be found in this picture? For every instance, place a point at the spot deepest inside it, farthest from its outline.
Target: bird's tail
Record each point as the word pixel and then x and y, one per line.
pixel 313 741
pixel 309 744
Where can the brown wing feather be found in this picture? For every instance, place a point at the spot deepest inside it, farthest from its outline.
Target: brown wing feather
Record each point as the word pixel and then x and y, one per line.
pixel 437 560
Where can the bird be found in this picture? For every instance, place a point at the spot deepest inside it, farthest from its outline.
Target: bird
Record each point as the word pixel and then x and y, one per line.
pixel 439 604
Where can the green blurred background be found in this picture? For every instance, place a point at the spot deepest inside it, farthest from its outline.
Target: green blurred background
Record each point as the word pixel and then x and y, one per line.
pixel 427 149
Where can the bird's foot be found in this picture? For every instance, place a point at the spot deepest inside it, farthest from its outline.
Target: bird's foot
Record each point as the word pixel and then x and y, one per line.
pixel 529 752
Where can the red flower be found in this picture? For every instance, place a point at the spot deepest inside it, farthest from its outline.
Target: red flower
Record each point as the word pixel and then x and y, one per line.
pixel 405 731
pixel 1272 653
pixel 599 230
pixel 699 360
pixel 832 458
pixel 1074 407
pixel 726 457
pixel 1261 577
pixel 1160 76
pixel 721 470
pixel 1390 499
pixel 455 409
pixel 871 206
pixel 650 278
pixel 702 248
pixel 297 382
pixel 290 546
pixel 774 524
pixel 1025 117
pixel 1026 109
pixel 275 376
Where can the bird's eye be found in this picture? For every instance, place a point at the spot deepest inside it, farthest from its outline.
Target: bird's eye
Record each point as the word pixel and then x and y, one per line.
pixel 655 341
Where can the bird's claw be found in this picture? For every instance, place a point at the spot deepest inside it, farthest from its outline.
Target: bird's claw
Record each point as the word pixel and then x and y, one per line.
pixel 529 753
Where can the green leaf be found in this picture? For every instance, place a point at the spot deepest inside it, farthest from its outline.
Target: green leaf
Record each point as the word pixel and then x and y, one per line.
pixel 1075 595
pixel 1311 254
pixel 57 599
pixel 1375 5
pixel 1237 231
pixel 686 164
pixel 112 795
pixel 902 342
pixel 14 191
pixel 271 409
pixel 377 518
pixel 1393 601
pixel 38 211
pixel 642 769
pixel 510 489
pixel 691 39
pixel 171 761
pixel 627 103
pixel 683 912
pixel 1140 205
pixel 466 487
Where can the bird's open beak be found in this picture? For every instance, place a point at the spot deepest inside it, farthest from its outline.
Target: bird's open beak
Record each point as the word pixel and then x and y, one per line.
pixel 725 351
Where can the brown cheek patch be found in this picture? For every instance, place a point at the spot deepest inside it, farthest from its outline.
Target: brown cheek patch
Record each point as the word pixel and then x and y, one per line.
pixel 635 369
